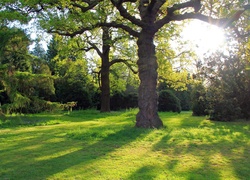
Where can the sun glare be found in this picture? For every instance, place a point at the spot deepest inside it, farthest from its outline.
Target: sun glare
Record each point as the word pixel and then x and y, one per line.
pixel 205 38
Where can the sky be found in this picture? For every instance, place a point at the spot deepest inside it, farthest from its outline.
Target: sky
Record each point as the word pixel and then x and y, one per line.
pixel 204 37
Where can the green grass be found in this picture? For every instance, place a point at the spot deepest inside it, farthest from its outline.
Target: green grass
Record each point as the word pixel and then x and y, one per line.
pixel 90 145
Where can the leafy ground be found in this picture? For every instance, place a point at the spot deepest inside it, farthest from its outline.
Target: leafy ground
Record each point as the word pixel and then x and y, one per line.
pixel 89 145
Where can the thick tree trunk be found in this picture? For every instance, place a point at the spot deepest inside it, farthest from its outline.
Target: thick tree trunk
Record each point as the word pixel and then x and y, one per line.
pixel 105 86
pixel 105 81
pixel 148 98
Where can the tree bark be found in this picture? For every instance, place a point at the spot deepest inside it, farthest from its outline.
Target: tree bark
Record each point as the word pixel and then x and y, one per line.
pixel 105 87
pixel 147 116
pixel 105 81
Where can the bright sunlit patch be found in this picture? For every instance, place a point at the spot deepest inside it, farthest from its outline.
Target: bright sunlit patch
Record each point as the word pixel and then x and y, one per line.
pixel 204 37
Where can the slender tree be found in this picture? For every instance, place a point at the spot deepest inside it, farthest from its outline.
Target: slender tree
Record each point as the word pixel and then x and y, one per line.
pixel 105 53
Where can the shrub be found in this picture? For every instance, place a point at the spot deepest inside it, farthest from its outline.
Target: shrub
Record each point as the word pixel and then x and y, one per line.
pixel 122 100
pixel 116 101
pixel 168 101
pixel 199 101
pixel 185 100
pixel 74 91
pixel 226 110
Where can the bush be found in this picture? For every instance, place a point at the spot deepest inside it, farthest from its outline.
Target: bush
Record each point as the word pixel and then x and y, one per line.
pixel 199 107
pixel 199 101
pixel 122 100
pixel 130 101
pixel 226 110
pixel 168 101
pixel 185 100
pixel 74 91
pixel 116 101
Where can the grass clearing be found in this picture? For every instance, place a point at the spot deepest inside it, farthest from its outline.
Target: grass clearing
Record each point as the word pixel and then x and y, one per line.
pixel 92 145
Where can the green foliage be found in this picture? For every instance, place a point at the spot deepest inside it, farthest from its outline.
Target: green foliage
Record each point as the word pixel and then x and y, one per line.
pixel 73 84
pixel 51 53
pixel 14 49
pixel 228 95
pixel 168 101
pixel 8 14
pixel 185 99
pixel 182 95
pixel 123 100
pixel 173 62
pixel 226 110
pixel 199 101
pixel 73 81
pixel 24 78
pixel 40 105
pixel 38 50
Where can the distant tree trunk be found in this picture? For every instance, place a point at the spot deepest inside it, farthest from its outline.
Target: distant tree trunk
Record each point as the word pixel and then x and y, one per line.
pixel 148 98
pixel 105 81
pixel 105 88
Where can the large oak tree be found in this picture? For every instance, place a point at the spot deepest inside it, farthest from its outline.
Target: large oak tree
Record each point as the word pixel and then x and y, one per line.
pixel 153 15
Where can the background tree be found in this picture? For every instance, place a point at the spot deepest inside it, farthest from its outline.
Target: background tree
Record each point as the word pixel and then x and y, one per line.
pixel 74 84
pixel 51 53
pixel 103 46
pixel 25 81
pixel 199 99
pixel 228 90
pixel 74 47
pixel 226 75
pixel 72 79
pixel 109 57
pixel 38 50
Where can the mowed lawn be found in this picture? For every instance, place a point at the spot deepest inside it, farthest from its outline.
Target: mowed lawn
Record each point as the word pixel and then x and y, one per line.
pixel 90 145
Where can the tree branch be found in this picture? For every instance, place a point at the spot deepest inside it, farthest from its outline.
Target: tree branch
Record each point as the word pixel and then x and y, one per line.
pixel 122 26
pixel 196 4
pixel 86 49
pixel 96 49
pixel 91 4
pixel 124 13
pixel 223 22
pixel 126 62
pixel 151 5
pixel 155 5
pixel 84 9
pixel 70 34
pixel 178 55
pixel 83 29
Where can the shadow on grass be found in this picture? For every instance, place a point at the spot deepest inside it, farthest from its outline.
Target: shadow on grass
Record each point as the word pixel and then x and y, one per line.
pixel 49 157
pixel 145 173
pixel 209 146
pixel 56 118
pixel 29 120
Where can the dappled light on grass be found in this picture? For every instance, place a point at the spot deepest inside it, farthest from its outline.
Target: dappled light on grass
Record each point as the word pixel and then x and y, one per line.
pixel 205 148
pixel 92 145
